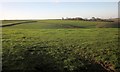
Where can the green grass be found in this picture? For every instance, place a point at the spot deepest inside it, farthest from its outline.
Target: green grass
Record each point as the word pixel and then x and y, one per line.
pixel 58 24
pixel 6 22
pixel 60 46
pixel 59 49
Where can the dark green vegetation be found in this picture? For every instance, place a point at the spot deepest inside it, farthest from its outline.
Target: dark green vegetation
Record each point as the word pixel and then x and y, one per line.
pixel 61 46
pixel 15 22
pixel 5 22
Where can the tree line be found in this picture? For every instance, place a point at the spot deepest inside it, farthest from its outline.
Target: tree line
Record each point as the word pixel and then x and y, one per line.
pixel 85 19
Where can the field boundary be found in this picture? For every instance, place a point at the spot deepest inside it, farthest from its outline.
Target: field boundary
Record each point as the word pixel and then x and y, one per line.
pixel 12 24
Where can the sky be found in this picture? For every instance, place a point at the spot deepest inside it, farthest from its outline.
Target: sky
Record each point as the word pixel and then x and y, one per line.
pixel 57 9
pixel 59 0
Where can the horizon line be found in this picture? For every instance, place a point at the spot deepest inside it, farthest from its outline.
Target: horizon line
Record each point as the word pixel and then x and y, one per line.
pixel 56 18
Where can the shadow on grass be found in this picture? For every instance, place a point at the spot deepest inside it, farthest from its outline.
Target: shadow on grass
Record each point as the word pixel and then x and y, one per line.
pixel 40 61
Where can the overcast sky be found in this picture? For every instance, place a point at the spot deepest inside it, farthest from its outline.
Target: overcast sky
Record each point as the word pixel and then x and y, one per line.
pixel 58 9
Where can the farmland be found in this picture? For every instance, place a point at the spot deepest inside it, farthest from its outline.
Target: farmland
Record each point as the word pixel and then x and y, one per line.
pixel 61 45
pixel 58 24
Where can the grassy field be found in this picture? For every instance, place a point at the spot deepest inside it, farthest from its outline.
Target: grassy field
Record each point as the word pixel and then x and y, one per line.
pixel 5 22
pixel 59 24
pixel 61 45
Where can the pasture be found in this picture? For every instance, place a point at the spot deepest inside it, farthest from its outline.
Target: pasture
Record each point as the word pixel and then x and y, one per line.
pixel 60 45
pixel 59 24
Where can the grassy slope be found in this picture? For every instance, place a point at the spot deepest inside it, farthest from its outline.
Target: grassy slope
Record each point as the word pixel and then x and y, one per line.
pixel 70 49
pixel 48 45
